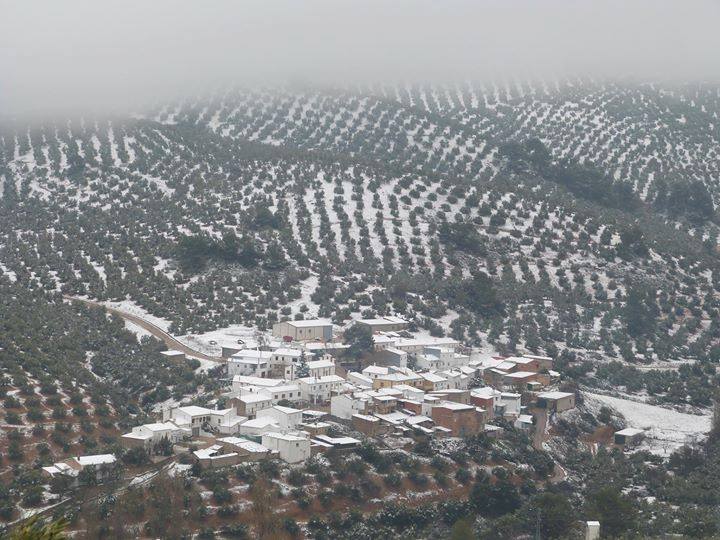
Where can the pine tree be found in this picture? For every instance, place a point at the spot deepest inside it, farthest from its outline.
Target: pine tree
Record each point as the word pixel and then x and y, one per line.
pixel 302 370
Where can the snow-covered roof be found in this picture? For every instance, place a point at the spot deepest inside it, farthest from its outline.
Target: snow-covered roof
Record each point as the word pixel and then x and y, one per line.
pixel 417 419
pixel 394 417
pixel 288 352
pixel 307 323
pixel 314 414
pixel 366 417
pixel 433 377
pixel 211 452
pixel 247 380
pixel 251 354
pixel 98 459
pixel 322 345
pixel 485 392
pixel 389 319
pixel 160 426
pixel 425 341
pixel 194 410
pixel 630 432
pixel 448 391
pixel 393 391
pixel 324 379
pixel 520 374
pixel 398 377
pixel 554 395
pixel 505 365
pixel 249 446
pixel 522 360
pixel 319 364
pixel 379 370
pixel 286 410
pixel 337 440
pixel 283 388
pixel 261 422
pixel 360 377
pixel 284 436
pixel 255 397
pixel 137 436
pixel 455 406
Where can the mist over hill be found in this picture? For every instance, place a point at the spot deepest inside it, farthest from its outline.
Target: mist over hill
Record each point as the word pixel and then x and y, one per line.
pixel 524 186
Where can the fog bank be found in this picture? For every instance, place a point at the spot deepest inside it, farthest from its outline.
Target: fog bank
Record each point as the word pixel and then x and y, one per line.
pixel 88 55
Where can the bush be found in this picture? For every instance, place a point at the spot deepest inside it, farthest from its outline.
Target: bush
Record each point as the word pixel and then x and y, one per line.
pixel 13 418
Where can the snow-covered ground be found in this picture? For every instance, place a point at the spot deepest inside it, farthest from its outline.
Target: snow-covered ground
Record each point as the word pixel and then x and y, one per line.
pixel 137 330
pixel 666 429
pixel 232 336
pixel 127 306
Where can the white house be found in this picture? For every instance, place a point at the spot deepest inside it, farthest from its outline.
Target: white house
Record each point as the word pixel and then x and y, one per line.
pixel 244 447
pixel 196 418
pixel 248 404
pixel 434 381
pixel 250 362
pixel 322 367
pixel 71 467
pixel 417 345
pixel 215 456
pixel 290 448
pixel 384 341
pixel 373 372
pixel 226 421
pixel 320 389
pixel 390 356
pixel 285 392
pixel 456 378
pixel 148 435
pixel 524 422
pixel 192 417
pixel 440 358
pixel 241 381
pixel 346 405
pixel 388 323
pixel 259 426
pixel 284 362
pixel 510 403
pixel 408 392
pixel 359 379
pixel 304 330
pixel 286 417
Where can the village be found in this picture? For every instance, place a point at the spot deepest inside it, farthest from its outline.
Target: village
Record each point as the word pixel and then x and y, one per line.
pixel 298 396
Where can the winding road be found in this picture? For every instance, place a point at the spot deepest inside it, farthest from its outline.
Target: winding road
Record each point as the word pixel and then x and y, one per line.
pixel 156 331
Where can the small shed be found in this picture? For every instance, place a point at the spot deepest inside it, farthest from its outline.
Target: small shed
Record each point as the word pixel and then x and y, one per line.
pixel 629 436
pixel 556 401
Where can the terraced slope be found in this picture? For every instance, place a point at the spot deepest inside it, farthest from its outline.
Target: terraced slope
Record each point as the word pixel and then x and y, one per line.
pixel 427 202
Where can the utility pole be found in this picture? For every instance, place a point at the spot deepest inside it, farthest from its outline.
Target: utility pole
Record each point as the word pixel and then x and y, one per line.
pixel 537 526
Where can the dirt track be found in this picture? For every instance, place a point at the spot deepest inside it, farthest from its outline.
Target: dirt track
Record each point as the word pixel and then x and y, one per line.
pixel 156 331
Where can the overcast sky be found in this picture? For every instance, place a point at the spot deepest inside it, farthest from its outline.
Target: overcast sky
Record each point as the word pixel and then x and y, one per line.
pixel 90 53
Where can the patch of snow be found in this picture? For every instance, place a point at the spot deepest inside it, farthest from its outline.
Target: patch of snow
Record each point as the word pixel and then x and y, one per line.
pixel 666 429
